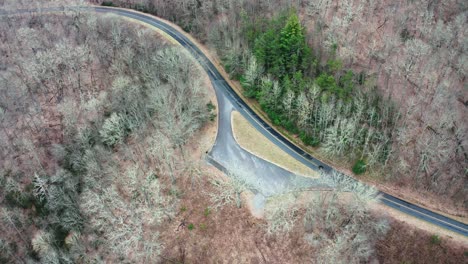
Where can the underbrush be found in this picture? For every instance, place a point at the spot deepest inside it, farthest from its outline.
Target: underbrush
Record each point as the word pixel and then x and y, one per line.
pixel 405 244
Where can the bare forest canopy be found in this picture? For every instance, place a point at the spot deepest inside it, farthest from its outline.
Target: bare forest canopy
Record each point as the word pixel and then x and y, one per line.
pixel 94 114
pixel 377 84
pixel 97 119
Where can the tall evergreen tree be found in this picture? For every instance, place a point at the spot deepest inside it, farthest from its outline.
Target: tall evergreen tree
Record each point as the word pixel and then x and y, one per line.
pixel 295 53
pixel 286 53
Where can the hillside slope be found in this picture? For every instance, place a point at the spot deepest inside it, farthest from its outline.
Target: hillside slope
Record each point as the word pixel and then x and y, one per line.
pixel 413 52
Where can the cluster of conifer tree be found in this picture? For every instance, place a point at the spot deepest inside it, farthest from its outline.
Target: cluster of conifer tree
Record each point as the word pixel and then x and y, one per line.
pixel 328 106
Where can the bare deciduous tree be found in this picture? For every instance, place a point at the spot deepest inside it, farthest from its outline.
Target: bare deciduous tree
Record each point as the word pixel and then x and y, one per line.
pixel 342 225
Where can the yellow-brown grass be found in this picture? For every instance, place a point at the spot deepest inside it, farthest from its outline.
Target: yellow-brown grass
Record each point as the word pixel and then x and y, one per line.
pixel 256 143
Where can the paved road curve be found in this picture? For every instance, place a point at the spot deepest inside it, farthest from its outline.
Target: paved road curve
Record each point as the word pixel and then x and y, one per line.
pixel 222 87
pixel 228 155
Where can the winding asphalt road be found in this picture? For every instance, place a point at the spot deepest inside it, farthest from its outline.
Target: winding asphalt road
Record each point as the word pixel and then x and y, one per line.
pixel 228 156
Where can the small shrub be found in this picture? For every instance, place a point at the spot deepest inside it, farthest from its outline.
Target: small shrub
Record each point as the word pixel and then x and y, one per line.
pixel 327 82
pixel 153 176
pixel 273 115
pixel 435 240
pixel 113 130
pixel 289 125
pixel 96 243
pixel 29 188
pixel 175 192
pixel 191 226
pixel 405 35
pixel 4 259
pixel 361 78
pixel 359 167
pixel 187 27
pixel 40 206
pixel 183 209
pixel 210 106
pixel 18 199
pixel 212 117
pixel 334 65
pixel 207 211
pixel 141 8
pixel 108 3
pixel 309 140
pixel 203 226
pixel 276 122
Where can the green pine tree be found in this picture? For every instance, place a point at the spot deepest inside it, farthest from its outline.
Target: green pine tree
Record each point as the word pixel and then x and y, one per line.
pixel 294 51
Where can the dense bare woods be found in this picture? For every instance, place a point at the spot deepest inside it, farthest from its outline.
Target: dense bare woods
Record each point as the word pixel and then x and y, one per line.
pixel 92 156
pixel 415 53
pixel 94 115
pixel 338 224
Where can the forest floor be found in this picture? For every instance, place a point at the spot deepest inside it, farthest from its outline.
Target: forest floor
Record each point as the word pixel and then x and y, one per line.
pixel 421 225
pixel 227 235
pixel 405 243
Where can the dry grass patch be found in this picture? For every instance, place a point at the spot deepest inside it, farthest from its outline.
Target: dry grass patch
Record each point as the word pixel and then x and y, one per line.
pixel 253 141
